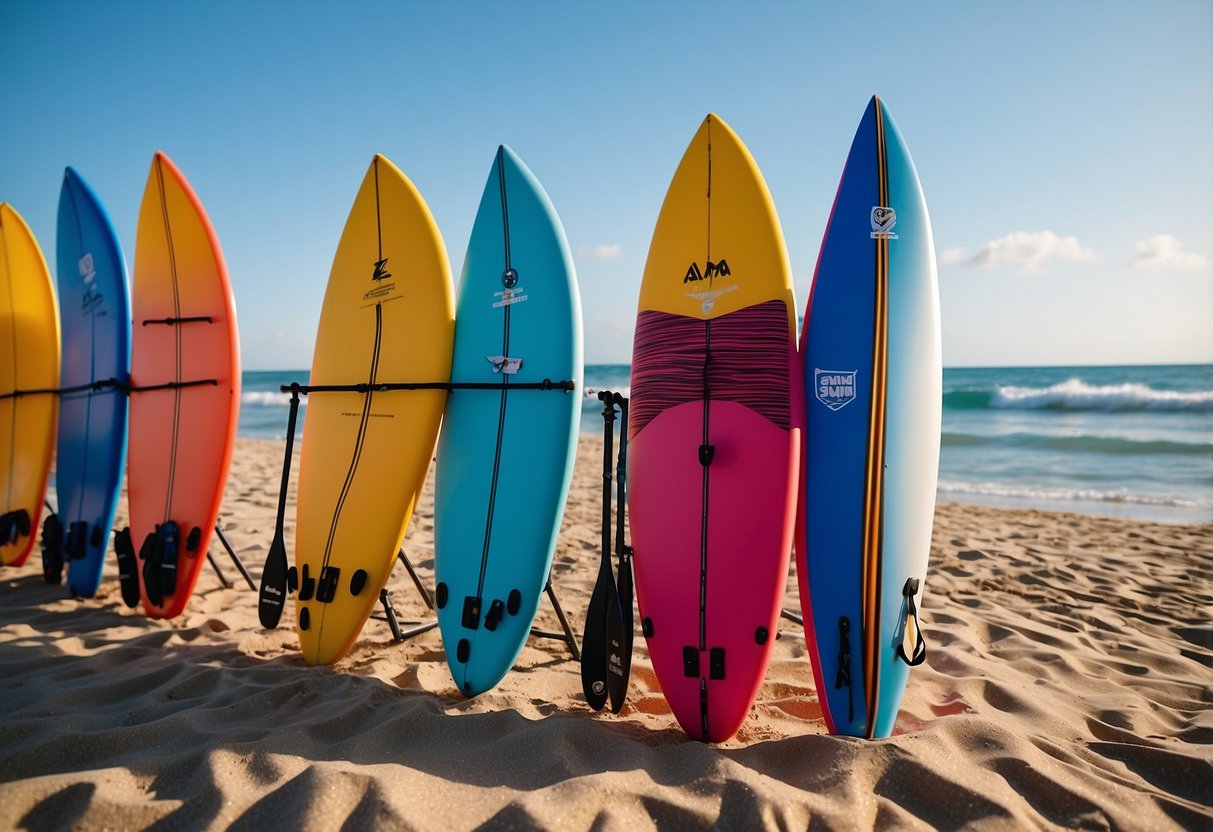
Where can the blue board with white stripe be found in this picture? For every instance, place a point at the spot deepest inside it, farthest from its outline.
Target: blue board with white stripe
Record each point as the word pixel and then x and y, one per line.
pixel 505 456
pixel 95 315
pixel 873 380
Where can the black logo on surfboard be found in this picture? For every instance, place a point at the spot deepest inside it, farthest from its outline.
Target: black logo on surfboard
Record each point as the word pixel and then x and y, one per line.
pixel 381 272
pixel 720 269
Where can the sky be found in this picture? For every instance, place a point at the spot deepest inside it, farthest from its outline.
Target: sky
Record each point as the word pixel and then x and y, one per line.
pixel 1065 149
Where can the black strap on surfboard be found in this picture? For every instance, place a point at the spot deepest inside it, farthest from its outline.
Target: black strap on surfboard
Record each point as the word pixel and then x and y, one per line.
pixel 567 386
pixel 108 384
pixel 88 387
pixel 843 677
pixel 14 525
pixel 172 385
pixel 160 553
pixel 194 319
pixel 911 629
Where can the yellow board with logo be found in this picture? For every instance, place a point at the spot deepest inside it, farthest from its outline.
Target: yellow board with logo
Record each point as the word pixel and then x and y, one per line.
pixel 744 263
pixel 388 317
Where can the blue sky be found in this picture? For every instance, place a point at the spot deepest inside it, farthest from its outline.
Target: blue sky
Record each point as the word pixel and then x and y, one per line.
pixel 1066 149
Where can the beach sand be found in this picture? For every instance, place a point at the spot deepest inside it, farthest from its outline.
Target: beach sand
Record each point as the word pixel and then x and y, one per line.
pixel 1069 682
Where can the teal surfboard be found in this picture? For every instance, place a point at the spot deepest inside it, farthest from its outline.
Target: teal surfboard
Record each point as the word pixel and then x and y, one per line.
pixel 506 452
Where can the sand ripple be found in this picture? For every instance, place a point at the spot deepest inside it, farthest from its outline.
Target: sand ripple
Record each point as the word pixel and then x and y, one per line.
pixel 1068 685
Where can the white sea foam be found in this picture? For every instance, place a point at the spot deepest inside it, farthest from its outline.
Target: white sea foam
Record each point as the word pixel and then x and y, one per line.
pixel 267 398
pixel 1075 394
pixel 1079 495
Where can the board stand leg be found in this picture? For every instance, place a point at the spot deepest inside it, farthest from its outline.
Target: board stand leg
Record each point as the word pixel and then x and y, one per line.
pixel 235 559
pixel 404 634
pixel 218 572
pixel 794 617
pixel 231 552
pixel 421 590
pixel 389 611
pixel 567 636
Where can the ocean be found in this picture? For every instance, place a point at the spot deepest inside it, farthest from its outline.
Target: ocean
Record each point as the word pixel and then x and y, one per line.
pixel 1121 441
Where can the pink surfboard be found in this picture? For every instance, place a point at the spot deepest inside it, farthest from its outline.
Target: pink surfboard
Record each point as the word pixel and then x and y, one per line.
pixel 715 437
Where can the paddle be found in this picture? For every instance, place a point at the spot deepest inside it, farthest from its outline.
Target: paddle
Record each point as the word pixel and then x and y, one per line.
pixel 605 601
pixel 620 630
pixel 272 597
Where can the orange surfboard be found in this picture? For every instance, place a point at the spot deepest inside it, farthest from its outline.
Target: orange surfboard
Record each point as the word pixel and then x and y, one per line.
pixel 185 379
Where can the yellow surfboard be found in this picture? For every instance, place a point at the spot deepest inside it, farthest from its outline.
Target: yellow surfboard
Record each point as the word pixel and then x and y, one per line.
pixel 29 373
pixel 388 317
pixel 693 267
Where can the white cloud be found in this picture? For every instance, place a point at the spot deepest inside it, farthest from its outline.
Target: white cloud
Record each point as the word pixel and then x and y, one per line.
pixel 602 251
pixel 1030 250
pixel 1165 252
pixel 951 256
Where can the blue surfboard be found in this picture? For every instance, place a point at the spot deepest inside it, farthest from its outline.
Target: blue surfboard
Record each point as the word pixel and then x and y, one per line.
pixel 95 315
pixel 873 384
pixel 505 455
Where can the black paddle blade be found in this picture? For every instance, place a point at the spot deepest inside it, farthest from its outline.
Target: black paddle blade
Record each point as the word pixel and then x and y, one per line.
pixel 620 639
pixel 594 639
pixel 272 597
pixel 617 680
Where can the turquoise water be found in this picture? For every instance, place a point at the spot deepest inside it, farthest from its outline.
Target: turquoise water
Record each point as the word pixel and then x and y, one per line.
pixel 1127 441
pixel 1121 441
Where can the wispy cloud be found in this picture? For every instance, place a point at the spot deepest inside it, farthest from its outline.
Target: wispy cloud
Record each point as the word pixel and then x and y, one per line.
pixel 951 256
pixel 602 251
pixel 1164 251
pixel 1029 250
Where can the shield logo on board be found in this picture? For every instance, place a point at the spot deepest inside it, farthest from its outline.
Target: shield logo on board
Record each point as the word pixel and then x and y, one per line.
pixel 834 388
pixel 883 220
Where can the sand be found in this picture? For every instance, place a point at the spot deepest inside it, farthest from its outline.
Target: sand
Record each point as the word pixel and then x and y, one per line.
pixel 1069 683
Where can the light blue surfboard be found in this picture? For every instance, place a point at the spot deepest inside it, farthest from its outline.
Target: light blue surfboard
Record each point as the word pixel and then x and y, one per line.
pixel 95 314
pixel 505 454
pixel 873 384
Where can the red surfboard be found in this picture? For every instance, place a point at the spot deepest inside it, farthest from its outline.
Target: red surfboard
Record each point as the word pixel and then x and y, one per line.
pixel 185 378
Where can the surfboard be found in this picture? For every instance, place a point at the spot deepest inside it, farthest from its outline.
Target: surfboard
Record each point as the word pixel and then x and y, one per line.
pixel 388 317
pixel 714 434
pixel 873 382
pixel 506 453
pixel 95 313
pixel 185 397
pixel 29 377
